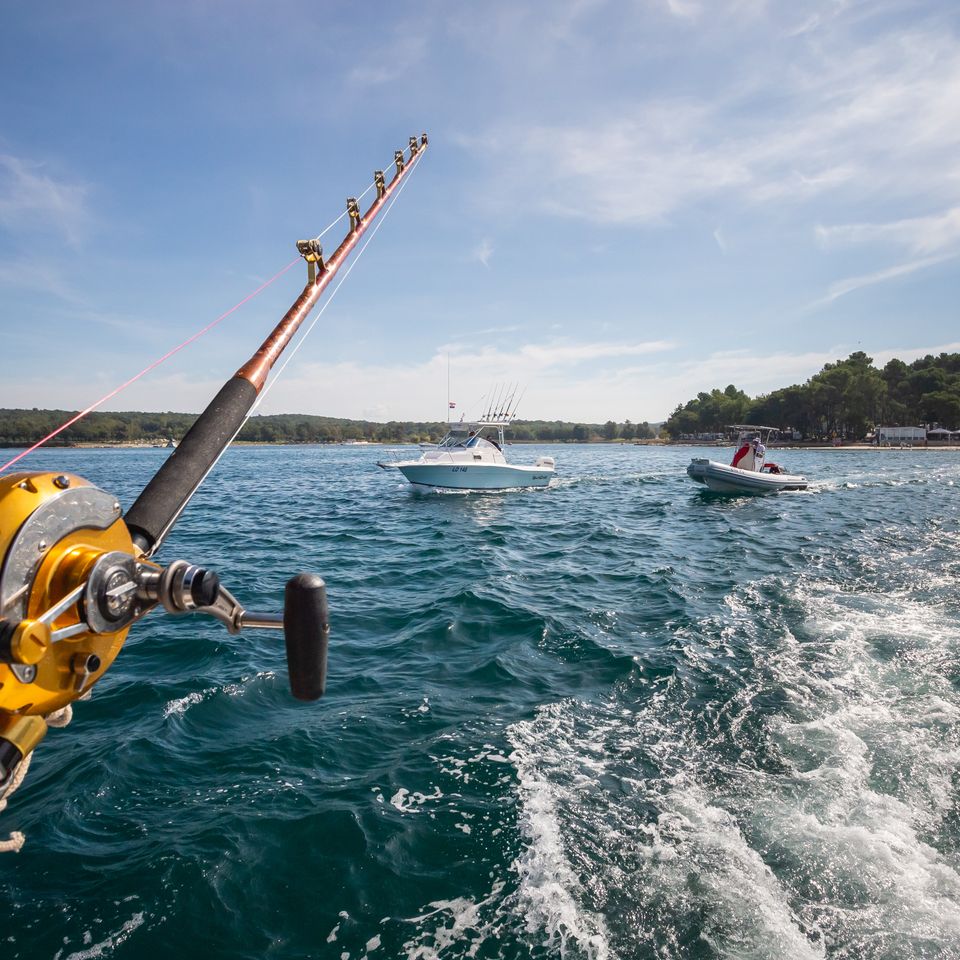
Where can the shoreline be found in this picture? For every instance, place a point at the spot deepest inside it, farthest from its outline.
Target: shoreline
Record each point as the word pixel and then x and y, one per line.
pixel 854 447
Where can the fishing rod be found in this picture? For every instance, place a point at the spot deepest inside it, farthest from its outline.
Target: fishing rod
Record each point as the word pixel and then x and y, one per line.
pixel 510 407
pixel 505 403
pixel 516 406
pixel 76 573
pixel 495 394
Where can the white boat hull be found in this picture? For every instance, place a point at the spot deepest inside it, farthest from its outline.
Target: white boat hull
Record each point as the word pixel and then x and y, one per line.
pixel 475 476
pixel 722 478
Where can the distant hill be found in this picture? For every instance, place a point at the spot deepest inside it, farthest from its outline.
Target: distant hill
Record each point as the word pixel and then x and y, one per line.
pixel 21 427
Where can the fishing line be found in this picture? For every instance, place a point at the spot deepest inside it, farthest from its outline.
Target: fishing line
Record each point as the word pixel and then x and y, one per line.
pixel 333 292
pixel 330 226
pixel 196 336
pixel 267 387
pixel 156 363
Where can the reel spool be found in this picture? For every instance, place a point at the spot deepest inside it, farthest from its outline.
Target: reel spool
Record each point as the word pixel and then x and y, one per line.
pixel 73 582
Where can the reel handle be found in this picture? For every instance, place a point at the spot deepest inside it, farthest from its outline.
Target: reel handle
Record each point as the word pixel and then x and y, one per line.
pixel 306 631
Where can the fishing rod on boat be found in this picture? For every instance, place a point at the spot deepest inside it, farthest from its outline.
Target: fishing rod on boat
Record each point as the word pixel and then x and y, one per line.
pixel 494 400
pixel 76 573
pixel 505 404
pixel 516 406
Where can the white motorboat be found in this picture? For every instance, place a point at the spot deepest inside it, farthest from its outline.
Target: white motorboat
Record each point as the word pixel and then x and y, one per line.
pixel 470 457
pixel 750 471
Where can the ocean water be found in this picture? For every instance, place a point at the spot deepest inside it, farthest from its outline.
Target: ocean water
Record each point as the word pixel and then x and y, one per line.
pixel 617 718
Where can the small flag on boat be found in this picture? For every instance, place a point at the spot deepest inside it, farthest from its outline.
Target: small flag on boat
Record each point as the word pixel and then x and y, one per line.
pixel 453 404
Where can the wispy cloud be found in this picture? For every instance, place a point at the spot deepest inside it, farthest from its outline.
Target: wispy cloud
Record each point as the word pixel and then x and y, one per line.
pixel 483 252
pixel 30 197
pixel 417 391
pixel 842 287
pixel 534 357
pixel 648 391
pixel 486 331
pixel 819 18
pixel 387 62
pixel 561 376
pixel 872 118
pixel 40 275
pixel 920 234
pixel 684 9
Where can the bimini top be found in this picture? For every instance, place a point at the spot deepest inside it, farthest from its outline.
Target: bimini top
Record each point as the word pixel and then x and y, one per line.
pixel 472 426
pixel 749 426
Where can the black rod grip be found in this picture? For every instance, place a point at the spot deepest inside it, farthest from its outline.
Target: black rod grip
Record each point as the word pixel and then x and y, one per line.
pixel 306 629
pixel 161 501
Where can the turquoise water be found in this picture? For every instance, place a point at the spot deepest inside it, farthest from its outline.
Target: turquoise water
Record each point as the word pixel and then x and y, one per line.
pixel 617 718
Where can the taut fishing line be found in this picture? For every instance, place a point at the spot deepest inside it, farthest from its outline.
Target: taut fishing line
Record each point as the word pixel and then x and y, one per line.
pixel 196 336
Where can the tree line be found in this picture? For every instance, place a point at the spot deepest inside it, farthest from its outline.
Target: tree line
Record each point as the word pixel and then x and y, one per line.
pixel 845 399
pixel 21 427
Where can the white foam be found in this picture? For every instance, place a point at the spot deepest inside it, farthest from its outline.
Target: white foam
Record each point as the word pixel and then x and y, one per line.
pixel 180 706
pixel 111 942
pixel 458 921
pixel 547 895
pixel 829 750
pixel 407 802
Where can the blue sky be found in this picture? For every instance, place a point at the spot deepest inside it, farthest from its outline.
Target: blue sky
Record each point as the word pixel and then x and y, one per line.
pixel 622 203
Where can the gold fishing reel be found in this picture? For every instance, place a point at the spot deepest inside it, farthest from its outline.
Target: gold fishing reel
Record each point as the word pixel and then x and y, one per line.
pixel 72 583
pixel 65 555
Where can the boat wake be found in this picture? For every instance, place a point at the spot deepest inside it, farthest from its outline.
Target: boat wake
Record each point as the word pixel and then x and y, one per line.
pixel 784 793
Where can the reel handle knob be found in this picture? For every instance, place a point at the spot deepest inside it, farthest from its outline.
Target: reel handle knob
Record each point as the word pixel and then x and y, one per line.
pixel 306 630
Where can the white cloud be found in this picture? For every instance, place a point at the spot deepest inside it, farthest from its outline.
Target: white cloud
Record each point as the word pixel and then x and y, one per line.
pixel 555 390
pixel 909 354
pixel 483 252
pixel 29 197
pixel 877 119
pixel 842 287
pixel 638 392
pixel 631 169
pixel 543 356
pixel 44 275
pixel 819 19
pixel 388 62
pixel 919 234
pixel 684 9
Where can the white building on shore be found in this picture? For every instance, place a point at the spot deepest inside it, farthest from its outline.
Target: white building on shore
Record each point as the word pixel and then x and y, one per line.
pixel 901 435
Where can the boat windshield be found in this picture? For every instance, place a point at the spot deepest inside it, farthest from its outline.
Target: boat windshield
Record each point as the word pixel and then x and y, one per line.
pixel 456 438
pixel 467 435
